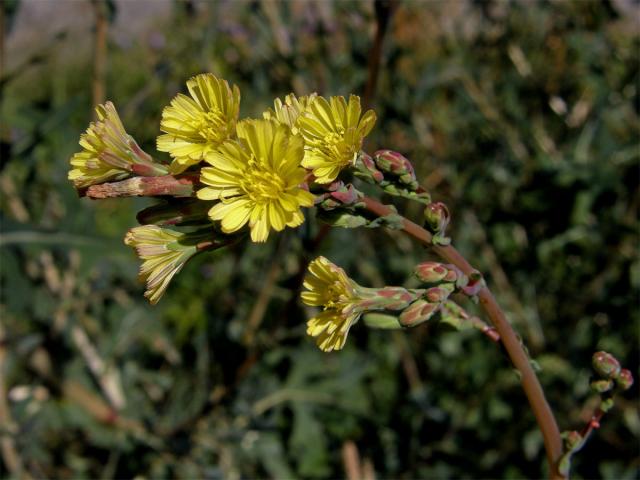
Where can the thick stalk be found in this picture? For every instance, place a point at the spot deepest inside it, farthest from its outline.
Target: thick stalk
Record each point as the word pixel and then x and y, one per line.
pixel 530 384
pixel 165 185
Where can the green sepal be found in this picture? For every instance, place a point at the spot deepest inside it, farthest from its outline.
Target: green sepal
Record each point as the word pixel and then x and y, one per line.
pixel 382 321
pixel 341 218
pixel 442 240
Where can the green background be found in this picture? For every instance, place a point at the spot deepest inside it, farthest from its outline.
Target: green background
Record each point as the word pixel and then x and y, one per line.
pixel 522 117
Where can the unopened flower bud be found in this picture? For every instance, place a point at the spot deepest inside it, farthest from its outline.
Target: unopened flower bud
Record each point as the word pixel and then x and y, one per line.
pixel 601 386
pixel 368 168
pixel 431 272
pixel 437 294
pixel 453 274
pixel 606 404
pixel 572 439
pixel 437 217
pixel 624 380
pixel 338 195
pixel 418 312
pixel 605 365
pixel 397 164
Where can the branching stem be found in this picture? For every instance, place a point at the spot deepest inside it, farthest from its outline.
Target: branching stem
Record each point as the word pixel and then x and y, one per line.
pixel 531 385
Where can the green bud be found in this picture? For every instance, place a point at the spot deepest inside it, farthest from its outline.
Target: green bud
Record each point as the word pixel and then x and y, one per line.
pixel 366 168
pixel 605 365
pixel 382 321
pixel 606 404
pixel 601 386
pixel 437 217
pixel 386 298
pixel 437 294
pixel 431 272
pixel 396 164
pixel 624 380
pixel 572 440
pixel 418 312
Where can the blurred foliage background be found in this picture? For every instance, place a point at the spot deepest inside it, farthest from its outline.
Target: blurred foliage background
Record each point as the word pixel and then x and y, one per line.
pixel 521 116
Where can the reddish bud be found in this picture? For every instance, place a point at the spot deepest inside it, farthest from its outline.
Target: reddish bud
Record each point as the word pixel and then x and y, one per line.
pixel 605 365
pixel 431 272
pixel 436 294
pixel 370 167
pixel 453 274
pixel 397 164
pixel 437 217
pixel 624 380
pixel 418 312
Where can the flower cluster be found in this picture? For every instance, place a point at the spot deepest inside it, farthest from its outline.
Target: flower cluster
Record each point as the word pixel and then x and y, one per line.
pixel 246 172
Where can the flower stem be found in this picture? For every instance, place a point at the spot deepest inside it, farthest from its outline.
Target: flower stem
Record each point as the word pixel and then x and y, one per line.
pixel 165 185
pixel 531 385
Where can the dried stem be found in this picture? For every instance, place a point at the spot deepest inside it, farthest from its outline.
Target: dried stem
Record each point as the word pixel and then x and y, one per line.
pixel 99 51
pixel 593 424
pixel 351 461
pixel 182 186
pixel 384 11
pixel 531 385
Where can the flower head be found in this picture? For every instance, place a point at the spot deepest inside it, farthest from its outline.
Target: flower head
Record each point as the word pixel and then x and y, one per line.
pixel 257 179
pixel 333 132
pixel 109 153
pixel 289 112
pixel 198 124
pixel 163 252
pixel 329 287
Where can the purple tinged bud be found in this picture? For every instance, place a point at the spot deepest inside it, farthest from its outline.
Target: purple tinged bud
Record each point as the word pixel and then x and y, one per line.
pixel 437 217
pixel 418 312
pixel 431 272
pixel 348 195
pixel 624 380
pixel 437 294
pixel 338 195
pixel 605 365
pixel 601 386
pixel 397 164
pixel 453 274
pixel 370 166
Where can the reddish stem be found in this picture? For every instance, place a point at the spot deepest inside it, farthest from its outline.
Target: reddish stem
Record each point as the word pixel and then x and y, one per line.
pixel 531 385
pixel 593 424
pixel 145 187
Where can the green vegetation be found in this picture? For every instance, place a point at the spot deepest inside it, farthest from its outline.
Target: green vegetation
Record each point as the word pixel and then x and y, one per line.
pixel 523 118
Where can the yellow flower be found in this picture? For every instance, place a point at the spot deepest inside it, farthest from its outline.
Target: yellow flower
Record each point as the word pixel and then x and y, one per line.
pixel 288 112
pixel 163 252
pixel 109 153
pixel 329 287
pixel 258 180
pixel 198 125
pixel 333 132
